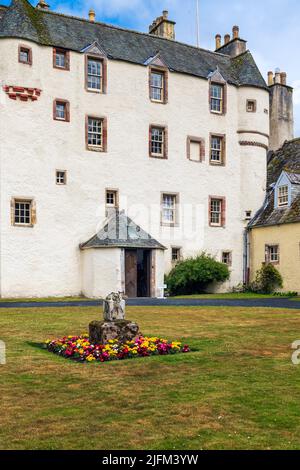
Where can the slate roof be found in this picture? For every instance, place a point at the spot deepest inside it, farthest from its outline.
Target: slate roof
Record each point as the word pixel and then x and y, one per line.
pixel 21 20
pixel 120 231
pixel 287 159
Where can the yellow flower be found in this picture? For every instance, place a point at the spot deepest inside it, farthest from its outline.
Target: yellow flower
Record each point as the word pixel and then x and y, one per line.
pixel 90 358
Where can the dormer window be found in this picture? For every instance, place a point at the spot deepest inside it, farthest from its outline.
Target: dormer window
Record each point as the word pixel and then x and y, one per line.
pixel 95 74
pixel 283 196
pixel 217 98
pixel 158 85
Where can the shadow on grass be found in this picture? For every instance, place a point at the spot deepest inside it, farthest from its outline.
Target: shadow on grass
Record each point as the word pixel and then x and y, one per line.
pixel 40 346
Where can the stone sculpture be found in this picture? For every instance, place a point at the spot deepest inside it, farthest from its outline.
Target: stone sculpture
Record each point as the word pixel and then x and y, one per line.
pixel 114 326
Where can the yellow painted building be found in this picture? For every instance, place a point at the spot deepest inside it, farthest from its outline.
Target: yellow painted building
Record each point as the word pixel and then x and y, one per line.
pixel 274 233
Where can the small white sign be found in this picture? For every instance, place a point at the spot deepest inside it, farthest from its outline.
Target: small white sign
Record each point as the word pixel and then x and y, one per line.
pixel 2 353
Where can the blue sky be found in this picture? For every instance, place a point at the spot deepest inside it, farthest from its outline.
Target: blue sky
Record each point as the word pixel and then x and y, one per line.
pixel 270 26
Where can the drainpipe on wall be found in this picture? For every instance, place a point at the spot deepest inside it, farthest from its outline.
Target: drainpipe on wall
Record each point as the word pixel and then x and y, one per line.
pixel 246 257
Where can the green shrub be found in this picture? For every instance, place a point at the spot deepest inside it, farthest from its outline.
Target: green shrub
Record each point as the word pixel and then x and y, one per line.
pixel 193 275
pixel 267 280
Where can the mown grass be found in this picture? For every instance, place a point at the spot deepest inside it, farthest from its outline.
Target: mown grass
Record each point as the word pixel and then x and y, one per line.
pixel 237 389
pixel 230 296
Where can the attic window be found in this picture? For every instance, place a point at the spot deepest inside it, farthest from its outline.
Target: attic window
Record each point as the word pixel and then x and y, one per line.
pixel 158 86
pixel 283 196
pixel 96 74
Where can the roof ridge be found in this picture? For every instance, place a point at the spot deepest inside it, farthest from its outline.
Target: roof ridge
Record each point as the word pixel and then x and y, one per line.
pixel 109 25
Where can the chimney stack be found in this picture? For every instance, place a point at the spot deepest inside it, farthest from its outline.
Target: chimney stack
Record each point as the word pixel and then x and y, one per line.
pixel 227 38
pixel 235 46
pixel 235 32
pixel 43 5
pixel 218 41
pixel 270 78
pixel 92 16
pixel 163 27
pixel 281 110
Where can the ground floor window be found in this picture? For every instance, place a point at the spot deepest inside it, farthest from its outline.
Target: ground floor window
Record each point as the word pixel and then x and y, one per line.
pixel 176 255
pixel 272 254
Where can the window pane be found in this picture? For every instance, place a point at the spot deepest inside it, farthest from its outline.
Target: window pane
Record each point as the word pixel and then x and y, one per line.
pixel 22 212
pixel 157 84
pixel 94 74
pixel 60 110
pixel 216 149
pixel 60 59
pixel 157 141
pixel 95 127
pixel 169 208
pixel 24 55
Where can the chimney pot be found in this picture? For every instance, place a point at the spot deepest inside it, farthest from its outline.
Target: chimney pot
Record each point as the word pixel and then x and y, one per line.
pixel 283 78
pixel 92 16
pixel 227 38
pixel 218 41
pixel 278 76
pixel 165 14
pixel 270 78
pixel 236 32
pixel 43 5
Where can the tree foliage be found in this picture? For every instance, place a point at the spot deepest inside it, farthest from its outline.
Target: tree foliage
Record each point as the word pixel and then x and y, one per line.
pixel 193 275
pixel 267 280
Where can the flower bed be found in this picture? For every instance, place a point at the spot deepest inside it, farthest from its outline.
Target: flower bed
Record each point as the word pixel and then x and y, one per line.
pixel 78 348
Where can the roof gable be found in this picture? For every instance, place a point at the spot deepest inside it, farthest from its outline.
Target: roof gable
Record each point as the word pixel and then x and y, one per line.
pixel 156 61
pixel 94 49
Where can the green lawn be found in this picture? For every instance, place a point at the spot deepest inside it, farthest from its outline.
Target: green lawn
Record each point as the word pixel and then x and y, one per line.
pixel 237 390
pixel 45 299
pixel 229 295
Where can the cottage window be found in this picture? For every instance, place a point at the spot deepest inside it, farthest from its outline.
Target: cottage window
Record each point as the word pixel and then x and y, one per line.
pixel 283 195
pixel 22 212
pixel 157 86
pixel 94 74
pixel 157 142
pixel 169 209
pixel 272 254
pixel 61 177
pixel 216 98
pixel 217 150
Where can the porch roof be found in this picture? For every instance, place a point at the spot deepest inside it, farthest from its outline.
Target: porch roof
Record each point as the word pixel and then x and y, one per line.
pixel 120 231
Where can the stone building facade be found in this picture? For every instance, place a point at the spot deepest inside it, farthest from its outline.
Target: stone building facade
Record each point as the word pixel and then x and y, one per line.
pixel 122 152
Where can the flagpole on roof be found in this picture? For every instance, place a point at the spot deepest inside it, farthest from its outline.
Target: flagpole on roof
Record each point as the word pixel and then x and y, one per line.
pixel 197 23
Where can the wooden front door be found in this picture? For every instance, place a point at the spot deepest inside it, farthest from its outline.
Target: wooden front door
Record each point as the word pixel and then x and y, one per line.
pixel 131 273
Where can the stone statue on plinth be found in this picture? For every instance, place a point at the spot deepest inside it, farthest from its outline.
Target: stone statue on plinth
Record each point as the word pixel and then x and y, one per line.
pixel 114 327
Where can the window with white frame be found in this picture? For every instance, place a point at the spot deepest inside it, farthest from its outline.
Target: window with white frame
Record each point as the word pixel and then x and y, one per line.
pixel 217 149
pixel 216 98
pixel 216 212
pixel 283 195
pixel 157 143
pixel 111 198
pixel 272 254
pixel 169 209
pixel 95 132
pixel 60 59
pixel 157 85
pixel 61 177
pixel 94 74
pixel 22 212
